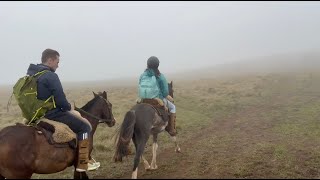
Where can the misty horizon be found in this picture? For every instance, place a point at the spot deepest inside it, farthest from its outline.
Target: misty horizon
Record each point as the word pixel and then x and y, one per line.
pixel 113 40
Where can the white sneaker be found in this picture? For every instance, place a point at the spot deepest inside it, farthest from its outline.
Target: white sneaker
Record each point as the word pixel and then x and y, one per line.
pixel 93 165
pixel 80 170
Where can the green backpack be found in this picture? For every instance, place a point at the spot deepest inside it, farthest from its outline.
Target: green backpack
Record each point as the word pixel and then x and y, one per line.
pixel 25 92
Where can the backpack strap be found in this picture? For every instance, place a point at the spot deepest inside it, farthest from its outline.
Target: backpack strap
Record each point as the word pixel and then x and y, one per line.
pixel 9 102
pixel 41 72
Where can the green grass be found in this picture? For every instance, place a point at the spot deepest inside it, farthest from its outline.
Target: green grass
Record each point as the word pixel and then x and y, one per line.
pixel 274 131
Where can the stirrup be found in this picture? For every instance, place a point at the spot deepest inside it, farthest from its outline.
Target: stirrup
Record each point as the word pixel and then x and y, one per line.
pixel 93 165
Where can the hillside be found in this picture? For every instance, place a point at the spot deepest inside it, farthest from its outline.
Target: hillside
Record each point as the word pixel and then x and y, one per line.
pixel 279 63
pixel 244 125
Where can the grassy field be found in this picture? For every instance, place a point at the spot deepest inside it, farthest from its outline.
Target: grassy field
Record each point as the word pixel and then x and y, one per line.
pixel 249 126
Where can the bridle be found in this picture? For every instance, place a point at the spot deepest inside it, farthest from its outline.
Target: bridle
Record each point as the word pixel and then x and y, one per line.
pixel 100 120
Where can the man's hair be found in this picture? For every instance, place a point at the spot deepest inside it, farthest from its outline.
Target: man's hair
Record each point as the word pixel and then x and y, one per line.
pixel 49 53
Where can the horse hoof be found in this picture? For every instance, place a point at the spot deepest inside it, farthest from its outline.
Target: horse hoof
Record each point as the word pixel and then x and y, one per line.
pixel 147 168
pixel 178 150
pixel 154 168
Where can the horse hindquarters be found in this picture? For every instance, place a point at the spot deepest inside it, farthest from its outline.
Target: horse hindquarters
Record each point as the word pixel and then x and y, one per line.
pixel 17 152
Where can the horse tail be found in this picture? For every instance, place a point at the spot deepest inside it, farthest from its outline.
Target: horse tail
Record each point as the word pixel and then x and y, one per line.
pixel 124 135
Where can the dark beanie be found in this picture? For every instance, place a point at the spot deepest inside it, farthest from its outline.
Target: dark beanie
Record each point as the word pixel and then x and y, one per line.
pixel 153 62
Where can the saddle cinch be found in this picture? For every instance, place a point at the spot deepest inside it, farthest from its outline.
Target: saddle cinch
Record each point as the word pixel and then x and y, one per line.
pixel 159 106
pixel 56 133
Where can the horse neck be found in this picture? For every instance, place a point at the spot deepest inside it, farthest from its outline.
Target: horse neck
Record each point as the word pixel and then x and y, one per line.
pixel 171 93
pixel 170 90
pixel 90 109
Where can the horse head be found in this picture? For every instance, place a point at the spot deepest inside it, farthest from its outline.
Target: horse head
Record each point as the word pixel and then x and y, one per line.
pixel 105 108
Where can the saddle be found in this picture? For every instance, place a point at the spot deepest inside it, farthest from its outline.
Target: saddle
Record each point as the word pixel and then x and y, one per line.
pixel 159 106
pixel 57 134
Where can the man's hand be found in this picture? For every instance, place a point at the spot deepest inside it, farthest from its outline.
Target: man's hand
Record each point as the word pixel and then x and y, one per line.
pixel 170 98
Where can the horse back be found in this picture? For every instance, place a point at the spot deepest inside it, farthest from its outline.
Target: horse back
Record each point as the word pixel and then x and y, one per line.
pixel 16 132
pixel 158 105
pixel 23 149
pixel 147 118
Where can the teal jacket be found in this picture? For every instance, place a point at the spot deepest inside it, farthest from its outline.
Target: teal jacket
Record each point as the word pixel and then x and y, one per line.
pixel 162 83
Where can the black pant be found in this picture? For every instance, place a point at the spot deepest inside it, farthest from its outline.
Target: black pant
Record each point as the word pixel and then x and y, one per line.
pixel 75 124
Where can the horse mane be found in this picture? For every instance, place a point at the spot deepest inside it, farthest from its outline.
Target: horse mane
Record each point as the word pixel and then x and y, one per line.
pixel 89 104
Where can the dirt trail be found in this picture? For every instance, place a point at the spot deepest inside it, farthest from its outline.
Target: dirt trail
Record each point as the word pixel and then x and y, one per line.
pixel 243 145
pixel 203 151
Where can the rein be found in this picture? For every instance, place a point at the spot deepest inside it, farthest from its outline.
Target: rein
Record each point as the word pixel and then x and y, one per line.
pixel 91 115
pixel 88 114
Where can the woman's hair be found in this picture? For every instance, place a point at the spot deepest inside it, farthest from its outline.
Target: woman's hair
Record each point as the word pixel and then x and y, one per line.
pixel 156 71
pixel 153 63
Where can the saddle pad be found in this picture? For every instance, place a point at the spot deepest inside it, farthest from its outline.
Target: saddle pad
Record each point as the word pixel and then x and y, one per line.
pixel 62 131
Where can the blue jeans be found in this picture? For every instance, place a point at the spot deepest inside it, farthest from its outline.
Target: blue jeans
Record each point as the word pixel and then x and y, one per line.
pixel 77 125
pixel 170 105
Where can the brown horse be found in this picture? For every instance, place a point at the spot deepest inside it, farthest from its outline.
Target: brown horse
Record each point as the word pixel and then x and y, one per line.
pixel 138 124
pixel 24 151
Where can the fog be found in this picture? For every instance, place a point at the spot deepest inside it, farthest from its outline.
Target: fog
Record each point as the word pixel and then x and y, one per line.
pixel 113 40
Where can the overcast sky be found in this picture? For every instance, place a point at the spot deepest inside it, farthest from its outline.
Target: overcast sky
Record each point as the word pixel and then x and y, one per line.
pixel 107 40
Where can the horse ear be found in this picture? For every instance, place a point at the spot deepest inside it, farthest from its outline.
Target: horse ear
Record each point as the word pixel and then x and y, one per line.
pixel 95 95
pixel 171 82
pixel 104 94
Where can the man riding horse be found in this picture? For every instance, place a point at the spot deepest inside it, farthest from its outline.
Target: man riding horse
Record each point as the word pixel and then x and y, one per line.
pixel 49 89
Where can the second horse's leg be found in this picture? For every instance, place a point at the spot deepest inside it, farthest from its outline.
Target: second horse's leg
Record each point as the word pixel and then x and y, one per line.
pixel 146 164
pixel 154 152
pixel 174 139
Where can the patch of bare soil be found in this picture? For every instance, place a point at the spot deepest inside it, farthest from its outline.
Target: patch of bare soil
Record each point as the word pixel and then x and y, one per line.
pixel 243 145
pixel 208 153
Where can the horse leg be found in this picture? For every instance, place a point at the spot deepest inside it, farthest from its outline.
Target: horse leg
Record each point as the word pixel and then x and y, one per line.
pixel 177 149
pixel 79 175
pixel 146 164
pixel 174 139
pixel 154 152
pixel 140 145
